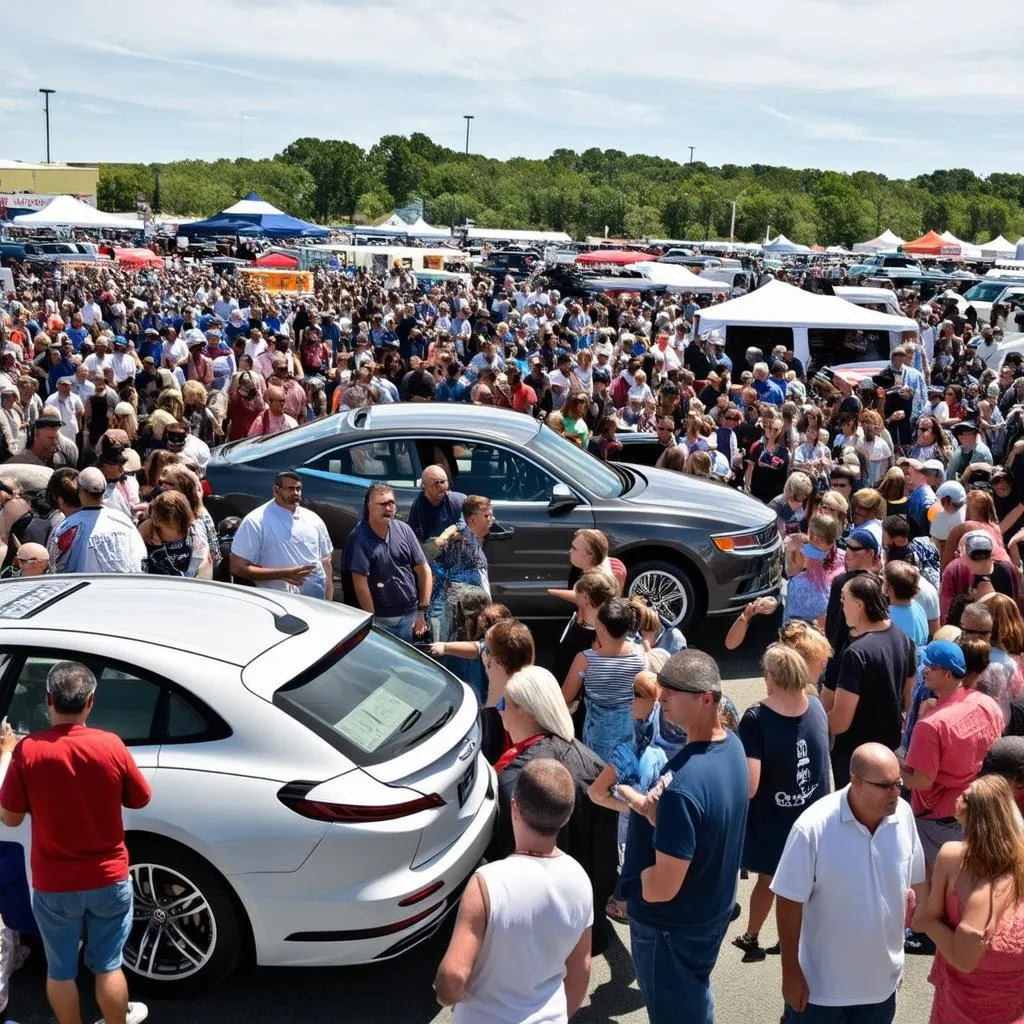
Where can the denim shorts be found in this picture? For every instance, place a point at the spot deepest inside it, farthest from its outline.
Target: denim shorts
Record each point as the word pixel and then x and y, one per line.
pixel 605 728
pixel 398 625
pixel 104 915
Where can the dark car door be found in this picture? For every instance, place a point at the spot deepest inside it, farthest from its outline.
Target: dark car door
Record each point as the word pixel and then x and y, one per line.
pixel 528 547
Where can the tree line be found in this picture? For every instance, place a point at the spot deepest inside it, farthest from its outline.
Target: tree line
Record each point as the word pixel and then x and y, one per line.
pixel 331 181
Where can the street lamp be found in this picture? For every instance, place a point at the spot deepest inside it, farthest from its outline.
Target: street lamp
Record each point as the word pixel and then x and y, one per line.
pixel 691 149
pixel 468 117
pixel 242 118
pixel 46 94
pixel 732 222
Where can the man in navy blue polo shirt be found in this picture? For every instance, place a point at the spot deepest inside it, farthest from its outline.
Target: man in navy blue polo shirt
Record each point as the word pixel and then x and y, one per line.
pixel 389 572
pixel 683 851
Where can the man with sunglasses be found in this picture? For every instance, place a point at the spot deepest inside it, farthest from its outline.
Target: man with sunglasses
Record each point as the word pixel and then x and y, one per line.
pixel 841 887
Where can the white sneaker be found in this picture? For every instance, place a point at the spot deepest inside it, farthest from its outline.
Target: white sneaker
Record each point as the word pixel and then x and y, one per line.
pixel 137 1013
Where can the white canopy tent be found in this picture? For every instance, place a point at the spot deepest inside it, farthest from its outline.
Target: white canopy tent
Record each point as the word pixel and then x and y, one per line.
pixel 253 208
pixel 781 244
pixel 68 212
pixel 515 235
pixel 883 243
pixel 998 249
pixel 677 278
pixel 967 250
pixel 395 226
pixel 778 304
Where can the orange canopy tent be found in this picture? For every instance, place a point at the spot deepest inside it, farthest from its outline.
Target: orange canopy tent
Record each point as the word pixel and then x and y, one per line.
pixel 136 259
pixel 277 260
pixel 931 244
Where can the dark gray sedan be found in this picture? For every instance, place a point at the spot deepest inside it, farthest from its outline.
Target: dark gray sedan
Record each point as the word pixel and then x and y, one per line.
pixel 691 548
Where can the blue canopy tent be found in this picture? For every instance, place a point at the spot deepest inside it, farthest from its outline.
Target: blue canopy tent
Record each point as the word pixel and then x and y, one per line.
pixel 252 217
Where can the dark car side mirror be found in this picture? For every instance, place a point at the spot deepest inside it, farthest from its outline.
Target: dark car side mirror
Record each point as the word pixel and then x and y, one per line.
pixel 562 499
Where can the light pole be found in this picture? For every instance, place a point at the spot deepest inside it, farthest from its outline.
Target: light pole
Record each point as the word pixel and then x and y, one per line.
pixel 468 117
pixel 691 148
pixel 242 118
pixel 46 95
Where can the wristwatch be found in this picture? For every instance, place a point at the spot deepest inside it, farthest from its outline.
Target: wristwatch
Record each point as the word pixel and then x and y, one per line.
pixel 421 608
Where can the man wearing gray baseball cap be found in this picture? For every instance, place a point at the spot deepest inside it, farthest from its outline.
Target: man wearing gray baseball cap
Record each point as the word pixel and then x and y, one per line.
pixel 683 853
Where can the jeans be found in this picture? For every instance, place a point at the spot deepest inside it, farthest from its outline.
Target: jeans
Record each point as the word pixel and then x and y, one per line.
pixel 673 970
pixel 104 915
pixel 399 625
pixel 605 728
pixel 868 1013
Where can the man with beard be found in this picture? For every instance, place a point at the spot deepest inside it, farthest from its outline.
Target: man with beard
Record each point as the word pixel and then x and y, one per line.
pixel 47 446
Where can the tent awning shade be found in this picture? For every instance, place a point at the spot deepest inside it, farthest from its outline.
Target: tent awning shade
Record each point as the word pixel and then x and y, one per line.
pixel 68 212
pixel 998 249
pixel 278 260
pixel 933 244
pixel 252 217
pixel 678 278
pixel 777 304
pixel 783 244
pixel 618 257
pixel 886 240
pixel 135 259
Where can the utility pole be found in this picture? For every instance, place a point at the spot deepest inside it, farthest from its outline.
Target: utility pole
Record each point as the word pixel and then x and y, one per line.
pixel 468 117
pixel 157 168
pixel 691 148
pixel 46 95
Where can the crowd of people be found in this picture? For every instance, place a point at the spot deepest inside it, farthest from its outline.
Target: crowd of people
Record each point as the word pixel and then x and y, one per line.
pixel 872 791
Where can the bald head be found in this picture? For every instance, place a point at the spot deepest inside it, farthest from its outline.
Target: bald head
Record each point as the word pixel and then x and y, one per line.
pixel 874 761
pixel 32 559
pixel 435 484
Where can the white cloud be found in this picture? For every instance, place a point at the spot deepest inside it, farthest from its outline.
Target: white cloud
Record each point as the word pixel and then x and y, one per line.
pixel 766 80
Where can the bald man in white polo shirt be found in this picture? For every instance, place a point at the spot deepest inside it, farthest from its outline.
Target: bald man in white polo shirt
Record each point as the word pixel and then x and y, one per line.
pixel 841 887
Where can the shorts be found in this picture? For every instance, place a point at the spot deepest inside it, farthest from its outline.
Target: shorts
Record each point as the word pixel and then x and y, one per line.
pixel 933 832
pixel 104 915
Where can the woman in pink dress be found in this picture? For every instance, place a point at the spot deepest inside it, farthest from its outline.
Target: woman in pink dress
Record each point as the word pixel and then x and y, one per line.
pixel 975 912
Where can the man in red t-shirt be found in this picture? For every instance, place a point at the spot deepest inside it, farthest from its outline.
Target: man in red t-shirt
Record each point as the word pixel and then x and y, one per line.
pixel 74 781
pixel 948 746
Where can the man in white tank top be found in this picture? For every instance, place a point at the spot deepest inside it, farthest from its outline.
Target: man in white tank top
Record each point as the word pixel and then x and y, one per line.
pixel 520 951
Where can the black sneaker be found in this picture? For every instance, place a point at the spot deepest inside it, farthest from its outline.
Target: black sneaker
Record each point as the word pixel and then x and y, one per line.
pixel 774 950
pixel 752 951
pixel 736 911
pixel 918 944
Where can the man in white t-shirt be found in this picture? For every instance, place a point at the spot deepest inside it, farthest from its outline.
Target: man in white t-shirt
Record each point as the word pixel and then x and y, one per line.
pixel 70 407
pixel 952 510
pixel 520 950
pixel 841 886
pixel 282 546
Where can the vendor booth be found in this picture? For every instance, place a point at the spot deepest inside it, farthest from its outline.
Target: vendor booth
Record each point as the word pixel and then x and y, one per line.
pixel 822 330
pixel 254 218
pixel 68 212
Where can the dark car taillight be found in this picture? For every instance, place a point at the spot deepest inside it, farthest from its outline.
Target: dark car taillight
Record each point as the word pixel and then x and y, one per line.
pixel 294 796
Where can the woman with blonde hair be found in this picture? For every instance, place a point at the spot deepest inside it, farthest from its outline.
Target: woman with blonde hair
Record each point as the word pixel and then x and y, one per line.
pixel 893 487
pixel 171 401
pixel 1007 638
pixel 785 737
pixel 975 912
pixel 539 727
pixel 124 418
pixel 697 464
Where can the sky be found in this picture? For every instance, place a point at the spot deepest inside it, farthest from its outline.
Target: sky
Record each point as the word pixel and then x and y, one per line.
pixel 896 86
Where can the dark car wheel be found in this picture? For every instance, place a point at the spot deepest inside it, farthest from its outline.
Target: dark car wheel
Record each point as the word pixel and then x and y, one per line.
pixel 187 932
pixel 666 588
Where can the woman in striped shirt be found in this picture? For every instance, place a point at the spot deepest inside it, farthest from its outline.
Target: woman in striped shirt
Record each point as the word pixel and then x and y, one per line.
pixel 606 672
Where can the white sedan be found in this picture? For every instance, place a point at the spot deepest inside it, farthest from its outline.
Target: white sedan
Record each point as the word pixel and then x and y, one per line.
pixel 319 796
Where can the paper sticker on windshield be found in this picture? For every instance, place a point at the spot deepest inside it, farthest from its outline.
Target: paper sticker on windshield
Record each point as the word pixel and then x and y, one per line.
pixel 374 719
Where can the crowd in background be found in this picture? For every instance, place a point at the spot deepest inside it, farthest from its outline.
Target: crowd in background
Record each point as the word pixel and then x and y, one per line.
pixel 900 655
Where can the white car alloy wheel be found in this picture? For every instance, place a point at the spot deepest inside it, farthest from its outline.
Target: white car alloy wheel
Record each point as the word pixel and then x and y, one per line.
pixel 174 929
pixel 664 592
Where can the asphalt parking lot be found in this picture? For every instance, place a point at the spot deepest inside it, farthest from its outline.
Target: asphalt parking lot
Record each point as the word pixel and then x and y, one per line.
pixel 399 991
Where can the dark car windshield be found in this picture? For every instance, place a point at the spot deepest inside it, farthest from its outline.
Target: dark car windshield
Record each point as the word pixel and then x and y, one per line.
pixel 373 700
pixel 585 470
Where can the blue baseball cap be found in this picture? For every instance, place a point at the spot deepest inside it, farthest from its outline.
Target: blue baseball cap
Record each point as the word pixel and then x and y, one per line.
pixel 947 655
pixel 865 539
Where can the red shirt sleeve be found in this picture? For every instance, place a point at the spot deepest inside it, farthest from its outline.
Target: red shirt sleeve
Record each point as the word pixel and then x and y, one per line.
pixel 135 792
pixel 14 796
pixel 924 755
